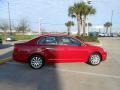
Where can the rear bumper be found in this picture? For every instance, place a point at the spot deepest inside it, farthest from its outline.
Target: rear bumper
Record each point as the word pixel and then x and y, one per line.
pixel 20 58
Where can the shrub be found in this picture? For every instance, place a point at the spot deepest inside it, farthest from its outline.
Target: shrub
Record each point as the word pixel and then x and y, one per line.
pixel 88 38
pixel 119 35
pixel 0 36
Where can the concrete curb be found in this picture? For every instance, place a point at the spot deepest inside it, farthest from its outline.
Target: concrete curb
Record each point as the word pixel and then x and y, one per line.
pixel 95 44
pixel 100 44
pixel 2 61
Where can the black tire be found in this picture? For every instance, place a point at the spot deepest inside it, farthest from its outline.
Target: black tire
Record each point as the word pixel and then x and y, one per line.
pixel 36 62
pixel 94 59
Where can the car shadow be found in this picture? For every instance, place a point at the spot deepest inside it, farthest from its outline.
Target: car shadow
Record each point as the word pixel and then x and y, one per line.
pixel 22 77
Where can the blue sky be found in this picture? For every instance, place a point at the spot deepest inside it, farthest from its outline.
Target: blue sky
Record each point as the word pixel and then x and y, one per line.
pixel 54 13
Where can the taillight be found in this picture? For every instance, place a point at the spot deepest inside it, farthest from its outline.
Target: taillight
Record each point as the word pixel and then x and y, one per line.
pixel 15 48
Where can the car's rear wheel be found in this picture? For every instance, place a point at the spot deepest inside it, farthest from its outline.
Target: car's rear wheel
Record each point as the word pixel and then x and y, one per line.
pixel 94 59
pixel 36 61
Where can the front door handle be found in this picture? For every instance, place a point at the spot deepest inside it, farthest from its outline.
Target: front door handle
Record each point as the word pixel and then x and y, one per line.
pixel 50 48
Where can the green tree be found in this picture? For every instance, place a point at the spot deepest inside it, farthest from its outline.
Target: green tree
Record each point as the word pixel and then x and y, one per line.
pixel 75 11
pixel 4 27
pixel 68 25
pixel 87 10
pixel 107 25
pixel 23 26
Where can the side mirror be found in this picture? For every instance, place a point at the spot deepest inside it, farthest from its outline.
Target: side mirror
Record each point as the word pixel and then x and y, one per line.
pixel 82 44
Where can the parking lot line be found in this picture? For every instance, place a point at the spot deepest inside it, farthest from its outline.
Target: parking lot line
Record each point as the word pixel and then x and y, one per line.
pixel 86 73
pixel 75 72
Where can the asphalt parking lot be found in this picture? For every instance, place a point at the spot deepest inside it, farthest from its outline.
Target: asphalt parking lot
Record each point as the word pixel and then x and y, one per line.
pixel 66 76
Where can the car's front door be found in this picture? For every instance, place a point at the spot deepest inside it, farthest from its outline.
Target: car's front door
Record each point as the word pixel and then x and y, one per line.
pixel 71 50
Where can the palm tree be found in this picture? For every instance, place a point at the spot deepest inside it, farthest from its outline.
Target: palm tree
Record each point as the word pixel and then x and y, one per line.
pixel 80 10
pixel 107 25
pixel 75 11
pixel 4 26
pixel 68 25
pixel 87 10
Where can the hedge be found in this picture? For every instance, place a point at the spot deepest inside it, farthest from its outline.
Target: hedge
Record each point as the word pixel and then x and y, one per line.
pixel 88 38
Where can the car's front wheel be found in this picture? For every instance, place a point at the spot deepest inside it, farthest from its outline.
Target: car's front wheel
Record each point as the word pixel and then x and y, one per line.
pixel 94 59
pixel 36 62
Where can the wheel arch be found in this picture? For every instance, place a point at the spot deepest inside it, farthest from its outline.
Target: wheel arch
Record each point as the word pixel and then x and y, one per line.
pixel 33 54
pixel 95 52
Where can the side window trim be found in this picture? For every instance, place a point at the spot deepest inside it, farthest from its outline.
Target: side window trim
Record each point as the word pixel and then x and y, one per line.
pixel 60 41
pixel 56 38
pixel 77 42
pixel 38 42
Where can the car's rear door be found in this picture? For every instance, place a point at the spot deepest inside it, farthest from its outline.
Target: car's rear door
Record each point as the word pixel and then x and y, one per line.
pixel 51 48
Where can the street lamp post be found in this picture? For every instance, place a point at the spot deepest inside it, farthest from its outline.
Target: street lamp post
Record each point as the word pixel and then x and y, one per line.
pixel 111 22
pixel 40 31
pixel 89 3
pixel 9 19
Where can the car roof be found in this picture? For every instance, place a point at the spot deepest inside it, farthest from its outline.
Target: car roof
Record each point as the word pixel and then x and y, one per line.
pixel 54 35
pixel 47 35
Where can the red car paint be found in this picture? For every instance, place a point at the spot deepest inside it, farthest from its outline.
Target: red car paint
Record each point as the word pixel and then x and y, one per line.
pixel 56 53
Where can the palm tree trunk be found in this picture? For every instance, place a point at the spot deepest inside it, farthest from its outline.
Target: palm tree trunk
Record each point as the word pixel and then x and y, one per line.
pixel 106 30
pixel 84 26
pixel 81 22
pixel 78 24
pixel 110 30
pixel 88 29
pixel 5 36
pixel 68 30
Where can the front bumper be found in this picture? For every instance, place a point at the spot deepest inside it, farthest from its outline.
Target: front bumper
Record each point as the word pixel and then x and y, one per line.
pixel 104 55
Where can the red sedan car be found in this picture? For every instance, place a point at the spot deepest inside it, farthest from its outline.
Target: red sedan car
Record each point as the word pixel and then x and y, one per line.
pixel 57 49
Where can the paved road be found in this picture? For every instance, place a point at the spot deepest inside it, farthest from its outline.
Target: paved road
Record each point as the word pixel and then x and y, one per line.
pixel 67 76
